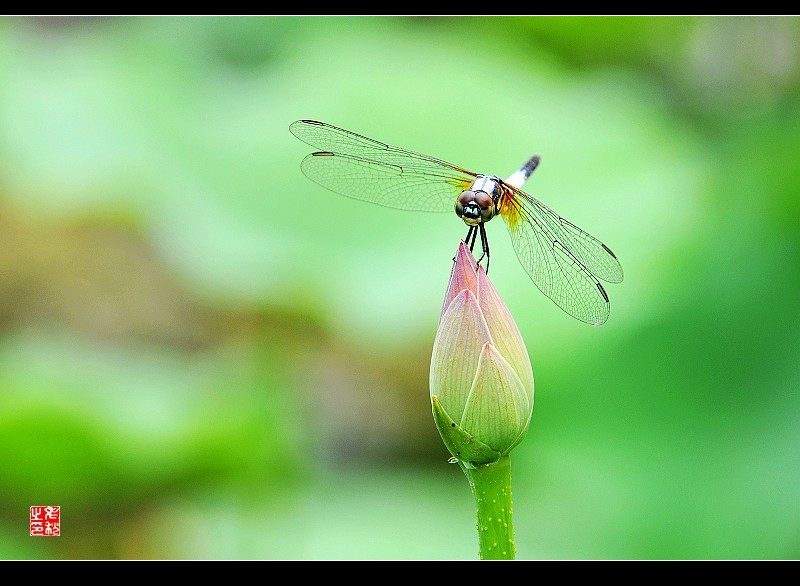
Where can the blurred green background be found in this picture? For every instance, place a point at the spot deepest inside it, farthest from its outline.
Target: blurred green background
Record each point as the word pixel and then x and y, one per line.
pixel 204 355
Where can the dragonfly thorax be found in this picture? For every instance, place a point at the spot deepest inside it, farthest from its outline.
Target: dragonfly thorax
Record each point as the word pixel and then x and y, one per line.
pixel 478 204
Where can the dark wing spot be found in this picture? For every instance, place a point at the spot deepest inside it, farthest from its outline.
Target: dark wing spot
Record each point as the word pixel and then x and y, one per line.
pixel 602 291
pixel 608 250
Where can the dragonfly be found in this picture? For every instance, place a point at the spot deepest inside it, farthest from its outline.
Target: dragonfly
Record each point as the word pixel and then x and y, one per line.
pixel 563 261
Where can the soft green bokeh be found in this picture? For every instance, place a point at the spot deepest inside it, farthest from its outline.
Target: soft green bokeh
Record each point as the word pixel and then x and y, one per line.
pixel 205 355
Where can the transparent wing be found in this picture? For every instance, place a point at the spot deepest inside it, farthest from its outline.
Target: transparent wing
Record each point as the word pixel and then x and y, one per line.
pixel 593 254
pixel 561 259
pixel 368 170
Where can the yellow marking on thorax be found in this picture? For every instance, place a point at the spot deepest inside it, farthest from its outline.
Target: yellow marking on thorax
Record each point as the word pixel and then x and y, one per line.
pixel 509 209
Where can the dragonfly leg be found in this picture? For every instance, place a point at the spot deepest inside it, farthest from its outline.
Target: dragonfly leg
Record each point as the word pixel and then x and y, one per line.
pixel 470 239
pixel 484 246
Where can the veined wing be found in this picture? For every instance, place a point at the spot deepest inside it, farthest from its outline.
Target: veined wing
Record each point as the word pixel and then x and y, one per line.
pixel 593 254
pixel 560 258
pixel 372 171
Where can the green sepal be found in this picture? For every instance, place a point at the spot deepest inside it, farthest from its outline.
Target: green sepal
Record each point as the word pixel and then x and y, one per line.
pixel 458 442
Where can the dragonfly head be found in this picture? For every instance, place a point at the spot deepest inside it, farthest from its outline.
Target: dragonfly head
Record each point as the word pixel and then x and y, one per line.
pixel 475 206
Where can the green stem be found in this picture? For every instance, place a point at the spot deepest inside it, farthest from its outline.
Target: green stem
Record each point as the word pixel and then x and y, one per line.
pixel 491 485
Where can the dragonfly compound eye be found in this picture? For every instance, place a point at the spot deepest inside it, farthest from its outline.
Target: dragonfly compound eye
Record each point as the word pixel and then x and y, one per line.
pixel 475 207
